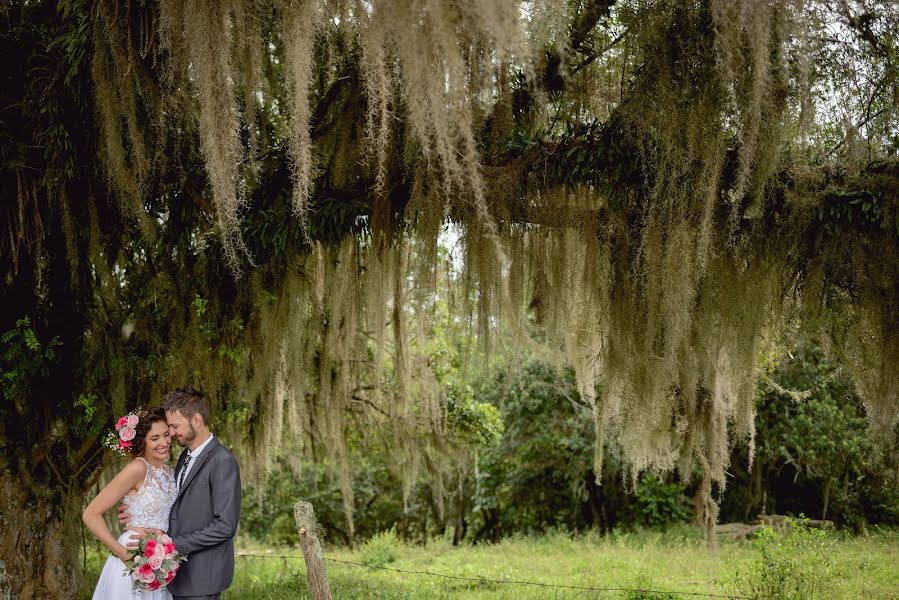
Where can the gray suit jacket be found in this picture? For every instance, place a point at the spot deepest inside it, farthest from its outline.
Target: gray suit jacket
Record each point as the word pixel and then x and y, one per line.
pixel 204 520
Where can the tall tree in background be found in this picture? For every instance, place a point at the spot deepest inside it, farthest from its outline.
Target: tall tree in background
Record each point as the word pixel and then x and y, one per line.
pixel 236 194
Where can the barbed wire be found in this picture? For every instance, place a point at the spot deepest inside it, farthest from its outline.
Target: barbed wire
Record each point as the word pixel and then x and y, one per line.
pixel 482 580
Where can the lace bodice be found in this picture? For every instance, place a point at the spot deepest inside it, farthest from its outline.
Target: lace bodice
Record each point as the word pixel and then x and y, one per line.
pixel 150 505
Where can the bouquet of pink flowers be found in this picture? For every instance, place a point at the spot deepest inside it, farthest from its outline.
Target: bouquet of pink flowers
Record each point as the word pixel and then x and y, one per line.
pixel 155 563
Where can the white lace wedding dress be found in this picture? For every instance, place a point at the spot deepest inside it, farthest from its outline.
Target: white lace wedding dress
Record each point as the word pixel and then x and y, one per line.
pixel 149 507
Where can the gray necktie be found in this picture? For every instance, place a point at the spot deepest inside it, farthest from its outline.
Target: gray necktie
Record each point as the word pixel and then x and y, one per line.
pixel 184 470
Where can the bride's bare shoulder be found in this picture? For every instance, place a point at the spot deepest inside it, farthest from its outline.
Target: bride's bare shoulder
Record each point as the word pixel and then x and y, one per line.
pixel 134 470
pixel 127 480
pixel 134 473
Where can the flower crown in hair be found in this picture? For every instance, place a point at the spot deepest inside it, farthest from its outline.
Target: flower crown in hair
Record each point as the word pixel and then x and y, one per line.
pixel 125 430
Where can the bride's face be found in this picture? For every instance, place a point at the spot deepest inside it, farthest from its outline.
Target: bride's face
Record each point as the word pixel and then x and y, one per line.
pixel 158 443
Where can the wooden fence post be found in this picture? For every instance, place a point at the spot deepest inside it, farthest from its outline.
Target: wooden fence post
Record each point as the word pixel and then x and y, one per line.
pixel 312 550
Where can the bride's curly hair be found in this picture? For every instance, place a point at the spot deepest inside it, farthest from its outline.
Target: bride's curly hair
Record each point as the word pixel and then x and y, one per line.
pixel 146 418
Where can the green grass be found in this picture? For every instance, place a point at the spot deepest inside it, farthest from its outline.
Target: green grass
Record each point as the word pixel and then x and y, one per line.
pixel 675 561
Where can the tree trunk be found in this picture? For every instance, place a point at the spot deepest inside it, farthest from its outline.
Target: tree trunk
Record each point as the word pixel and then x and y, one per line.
pixel 755 493
pixel 595 503
pixel 39 543
pixel 461 525
pixel 827 485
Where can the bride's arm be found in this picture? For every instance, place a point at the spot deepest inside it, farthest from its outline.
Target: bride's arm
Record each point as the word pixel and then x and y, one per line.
pixel 109 496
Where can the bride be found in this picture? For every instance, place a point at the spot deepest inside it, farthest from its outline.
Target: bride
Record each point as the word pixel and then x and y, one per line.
pixel 147 486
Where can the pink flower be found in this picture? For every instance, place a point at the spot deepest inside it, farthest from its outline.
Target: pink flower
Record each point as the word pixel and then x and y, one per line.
pixel 155 561
pixel 150 548
pixel 159 550
pixel 169 548
pixel 121 423
pixel 154 585
pixel 165 539
pixel 127 433
pixel 124 444
pixel 132 420
pixel 145 569
pixel 170 575
pixel 148 577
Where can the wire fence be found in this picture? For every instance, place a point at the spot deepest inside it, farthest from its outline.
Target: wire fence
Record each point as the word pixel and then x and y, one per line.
pixel 481 580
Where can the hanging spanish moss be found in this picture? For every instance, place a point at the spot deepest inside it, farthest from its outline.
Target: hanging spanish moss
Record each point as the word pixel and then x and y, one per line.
pixel 333 215
pixel 620 180
pixel 126 100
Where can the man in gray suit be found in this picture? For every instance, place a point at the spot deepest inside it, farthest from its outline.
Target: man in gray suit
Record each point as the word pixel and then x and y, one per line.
pixel 204 517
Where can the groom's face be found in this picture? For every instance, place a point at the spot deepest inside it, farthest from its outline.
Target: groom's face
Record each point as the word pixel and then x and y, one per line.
pixel 180 428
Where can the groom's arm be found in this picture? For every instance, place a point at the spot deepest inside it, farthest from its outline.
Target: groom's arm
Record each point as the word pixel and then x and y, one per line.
pixel 225 510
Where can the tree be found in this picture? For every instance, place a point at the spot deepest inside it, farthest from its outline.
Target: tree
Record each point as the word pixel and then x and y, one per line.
pixel 540 473
pixel 634 179
pixel 814 451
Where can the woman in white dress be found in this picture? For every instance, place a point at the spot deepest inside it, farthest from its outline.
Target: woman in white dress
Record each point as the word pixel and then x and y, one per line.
pixel 147 486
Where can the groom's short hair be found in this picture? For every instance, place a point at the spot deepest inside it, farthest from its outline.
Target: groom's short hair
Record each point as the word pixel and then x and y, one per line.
pixel 188 402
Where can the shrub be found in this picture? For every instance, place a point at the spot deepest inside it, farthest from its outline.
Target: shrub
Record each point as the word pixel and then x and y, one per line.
pixel 381 549
pixel 790 565
pixel 283 531
pixel 661 504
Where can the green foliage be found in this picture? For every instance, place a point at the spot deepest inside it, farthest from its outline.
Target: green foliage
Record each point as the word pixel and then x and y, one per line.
pixel 283 530
pixel 648 595
pixel 662 504
pixel 22 357
pixel 267 509
pixel 816 456
pixel 845 209
pixel 533 478
pixel 89 416
pixel 225 338
pixel 477 422
pixel 381 549
pixel 790 565
pixel 540 474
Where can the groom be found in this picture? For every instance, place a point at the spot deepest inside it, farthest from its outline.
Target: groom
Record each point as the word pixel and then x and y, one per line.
pixel 204 517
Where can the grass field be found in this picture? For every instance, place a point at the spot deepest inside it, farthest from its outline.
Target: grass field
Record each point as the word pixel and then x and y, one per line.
pixel 675 561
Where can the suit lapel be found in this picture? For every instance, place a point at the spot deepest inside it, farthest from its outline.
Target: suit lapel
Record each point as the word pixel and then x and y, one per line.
pixel 197 465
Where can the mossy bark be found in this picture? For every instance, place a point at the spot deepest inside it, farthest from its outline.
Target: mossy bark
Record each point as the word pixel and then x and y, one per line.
pixel 39 535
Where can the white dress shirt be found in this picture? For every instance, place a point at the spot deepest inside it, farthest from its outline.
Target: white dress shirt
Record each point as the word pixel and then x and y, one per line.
pixel 193 458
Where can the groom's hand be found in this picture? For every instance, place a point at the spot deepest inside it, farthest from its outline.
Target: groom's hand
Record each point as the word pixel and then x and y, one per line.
pixel 124 515
pixel 139 534
pixel 135 538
